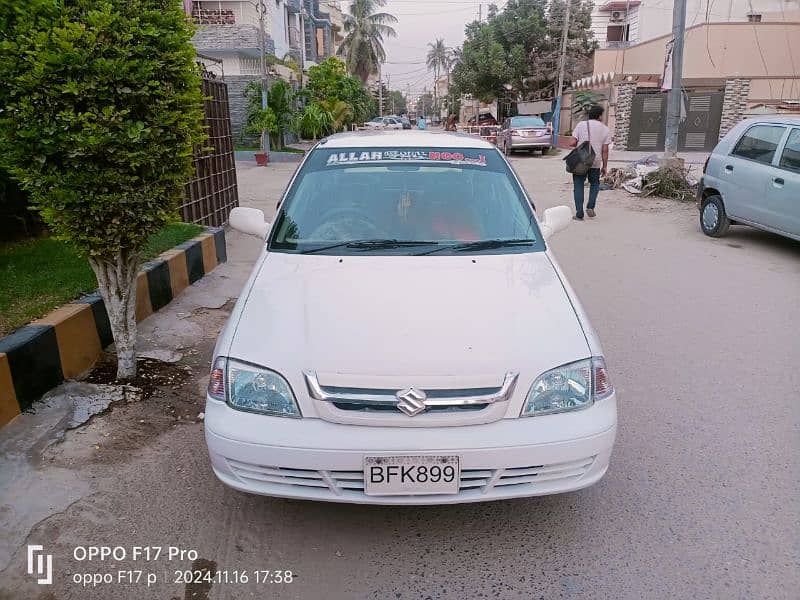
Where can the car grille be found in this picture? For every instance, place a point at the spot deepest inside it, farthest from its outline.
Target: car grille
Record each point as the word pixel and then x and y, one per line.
pixel 386 401
pixel 353 406
pixel 350 484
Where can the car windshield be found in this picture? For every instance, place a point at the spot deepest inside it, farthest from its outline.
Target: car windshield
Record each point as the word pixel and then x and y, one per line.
pixel 527 122
pixel 405 201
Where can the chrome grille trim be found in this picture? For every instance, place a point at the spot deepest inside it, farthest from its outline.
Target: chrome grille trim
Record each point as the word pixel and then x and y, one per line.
pixel 382 398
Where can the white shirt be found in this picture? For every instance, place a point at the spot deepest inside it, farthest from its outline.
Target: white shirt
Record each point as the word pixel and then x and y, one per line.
pixel 601 135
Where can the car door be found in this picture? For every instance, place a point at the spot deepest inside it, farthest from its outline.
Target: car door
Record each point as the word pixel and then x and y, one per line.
pixel 745 173
pixel 781 207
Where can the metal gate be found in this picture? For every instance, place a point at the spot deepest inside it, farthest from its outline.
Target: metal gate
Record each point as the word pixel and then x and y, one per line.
pixel 212 193
pixel 699 130
pixel 648 116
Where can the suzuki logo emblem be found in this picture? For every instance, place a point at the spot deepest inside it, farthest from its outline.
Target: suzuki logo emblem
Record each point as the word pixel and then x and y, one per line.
pixel 411 401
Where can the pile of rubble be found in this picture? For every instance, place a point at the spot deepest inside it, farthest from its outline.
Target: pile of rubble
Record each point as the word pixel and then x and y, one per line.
pixel 646 178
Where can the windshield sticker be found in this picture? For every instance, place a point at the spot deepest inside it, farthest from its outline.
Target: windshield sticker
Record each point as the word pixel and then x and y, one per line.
pixel 351 158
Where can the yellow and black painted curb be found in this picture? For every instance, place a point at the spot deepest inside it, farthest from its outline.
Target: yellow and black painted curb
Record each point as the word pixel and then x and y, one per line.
pixel 68 341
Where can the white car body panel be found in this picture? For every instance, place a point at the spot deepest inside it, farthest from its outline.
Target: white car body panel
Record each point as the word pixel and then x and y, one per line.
pixel 392 322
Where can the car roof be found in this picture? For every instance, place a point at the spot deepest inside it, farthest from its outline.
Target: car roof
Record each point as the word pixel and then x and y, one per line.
pixel 404 138
pixel 780 119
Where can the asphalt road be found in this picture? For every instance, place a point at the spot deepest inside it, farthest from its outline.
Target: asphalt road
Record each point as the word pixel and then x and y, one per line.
pixel 701 500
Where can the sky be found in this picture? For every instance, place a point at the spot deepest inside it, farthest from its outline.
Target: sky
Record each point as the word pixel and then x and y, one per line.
pixel 420 22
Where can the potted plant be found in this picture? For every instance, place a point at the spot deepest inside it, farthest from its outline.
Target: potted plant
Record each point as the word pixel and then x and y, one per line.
pixel 263 123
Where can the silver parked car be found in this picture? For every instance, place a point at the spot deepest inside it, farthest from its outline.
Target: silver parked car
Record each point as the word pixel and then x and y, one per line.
pixel 524 133
pixel 753 178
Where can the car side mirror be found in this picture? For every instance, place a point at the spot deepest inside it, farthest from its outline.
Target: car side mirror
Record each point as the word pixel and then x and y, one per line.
pixel 249 220
pixel 555 219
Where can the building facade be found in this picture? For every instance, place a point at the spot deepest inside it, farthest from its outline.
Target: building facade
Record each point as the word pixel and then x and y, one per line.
pixel 229 41
pixel 622 23
pixel 731 70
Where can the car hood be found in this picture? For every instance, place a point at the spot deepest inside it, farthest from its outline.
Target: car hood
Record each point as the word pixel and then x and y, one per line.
pixel 389 317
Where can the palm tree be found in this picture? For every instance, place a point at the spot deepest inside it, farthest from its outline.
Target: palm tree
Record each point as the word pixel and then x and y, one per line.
pixel 438 60
pixel 365 29
pixel 313 121
pixel 341 113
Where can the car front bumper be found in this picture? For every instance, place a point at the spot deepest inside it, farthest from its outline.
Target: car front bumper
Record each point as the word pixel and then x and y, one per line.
pixel 314 459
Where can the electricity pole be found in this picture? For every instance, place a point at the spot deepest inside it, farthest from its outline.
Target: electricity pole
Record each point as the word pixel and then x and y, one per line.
pixel 675 94
pixel 562 67
pixel 261 7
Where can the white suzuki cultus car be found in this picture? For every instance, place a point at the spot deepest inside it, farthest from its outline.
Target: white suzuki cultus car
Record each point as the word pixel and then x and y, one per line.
pixel 406 336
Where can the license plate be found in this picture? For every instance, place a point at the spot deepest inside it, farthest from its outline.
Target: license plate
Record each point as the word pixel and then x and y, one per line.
pixel 411 475
pixel 526 133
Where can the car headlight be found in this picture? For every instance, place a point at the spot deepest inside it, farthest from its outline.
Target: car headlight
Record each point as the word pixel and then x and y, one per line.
pixel 252 388
pixel 568 387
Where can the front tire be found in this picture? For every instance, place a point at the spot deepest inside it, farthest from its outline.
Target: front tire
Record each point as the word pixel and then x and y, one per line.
pixel 713 220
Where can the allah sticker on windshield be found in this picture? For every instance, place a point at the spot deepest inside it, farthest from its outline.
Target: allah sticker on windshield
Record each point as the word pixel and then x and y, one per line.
pixel 384 156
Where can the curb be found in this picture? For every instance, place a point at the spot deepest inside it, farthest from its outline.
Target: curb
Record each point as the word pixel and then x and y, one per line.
pixel 68 341
pixel 274 156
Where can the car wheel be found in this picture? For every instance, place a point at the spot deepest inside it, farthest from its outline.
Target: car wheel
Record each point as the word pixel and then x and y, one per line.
pixel 713 220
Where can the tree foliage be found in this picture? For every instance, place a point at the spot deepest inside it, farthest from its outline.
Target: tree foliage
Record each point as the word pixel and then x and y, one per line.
pixel 99 110
pixel 396 102
pixel 438 60
pixel 314 121
pixel 424 105
pixel 584 100
pixel 281 103
pixel 329 80
pixel 365 29
pixel 518 48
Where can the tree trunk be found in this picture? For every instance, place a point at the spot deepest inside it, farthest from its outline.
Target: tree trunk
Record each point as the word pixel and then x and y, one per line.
pixel 117 280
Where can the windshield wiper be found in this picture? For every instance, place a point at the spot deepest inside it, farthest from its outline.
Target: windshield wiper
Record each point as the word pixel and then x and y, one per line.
pixel 480 245
pixel 377 244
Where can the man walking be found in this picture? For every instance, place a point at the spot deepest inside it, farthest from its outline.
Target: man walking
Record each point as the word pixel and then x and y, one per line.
pixel 598 135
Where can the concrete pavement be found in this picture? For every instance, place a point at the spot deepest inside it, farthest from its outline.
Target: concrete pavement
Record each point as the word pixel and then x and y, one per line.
pixel 700 501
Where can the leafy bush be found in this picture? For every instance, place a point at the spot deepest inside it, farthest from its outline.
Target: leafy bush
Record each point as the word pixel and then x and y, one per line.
pixel 329 80
pixel 101 109
pixel 340 113
pixel 313 121
pixel 280 100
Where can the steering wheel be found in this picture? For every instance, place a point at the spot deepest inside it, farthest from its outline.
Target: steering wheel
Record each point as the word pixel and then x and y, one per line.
pixel 346 223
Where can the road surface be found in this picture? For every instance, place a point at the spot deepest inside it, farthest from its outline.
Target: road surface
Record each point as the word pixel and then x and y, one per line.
pixel 701 500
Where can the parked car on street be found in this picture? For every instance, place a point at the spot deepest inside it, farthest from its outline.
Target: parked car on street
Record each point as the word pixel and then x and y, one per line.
pixel 376 123
pixel 407 337
pixel 483 119
pixel 524 133
pixel 753 178
pixel 389 122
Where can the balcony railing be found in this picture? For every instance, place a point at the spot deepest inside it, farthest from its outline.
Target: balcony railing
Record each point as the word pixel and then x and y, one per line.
pixel 202 16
